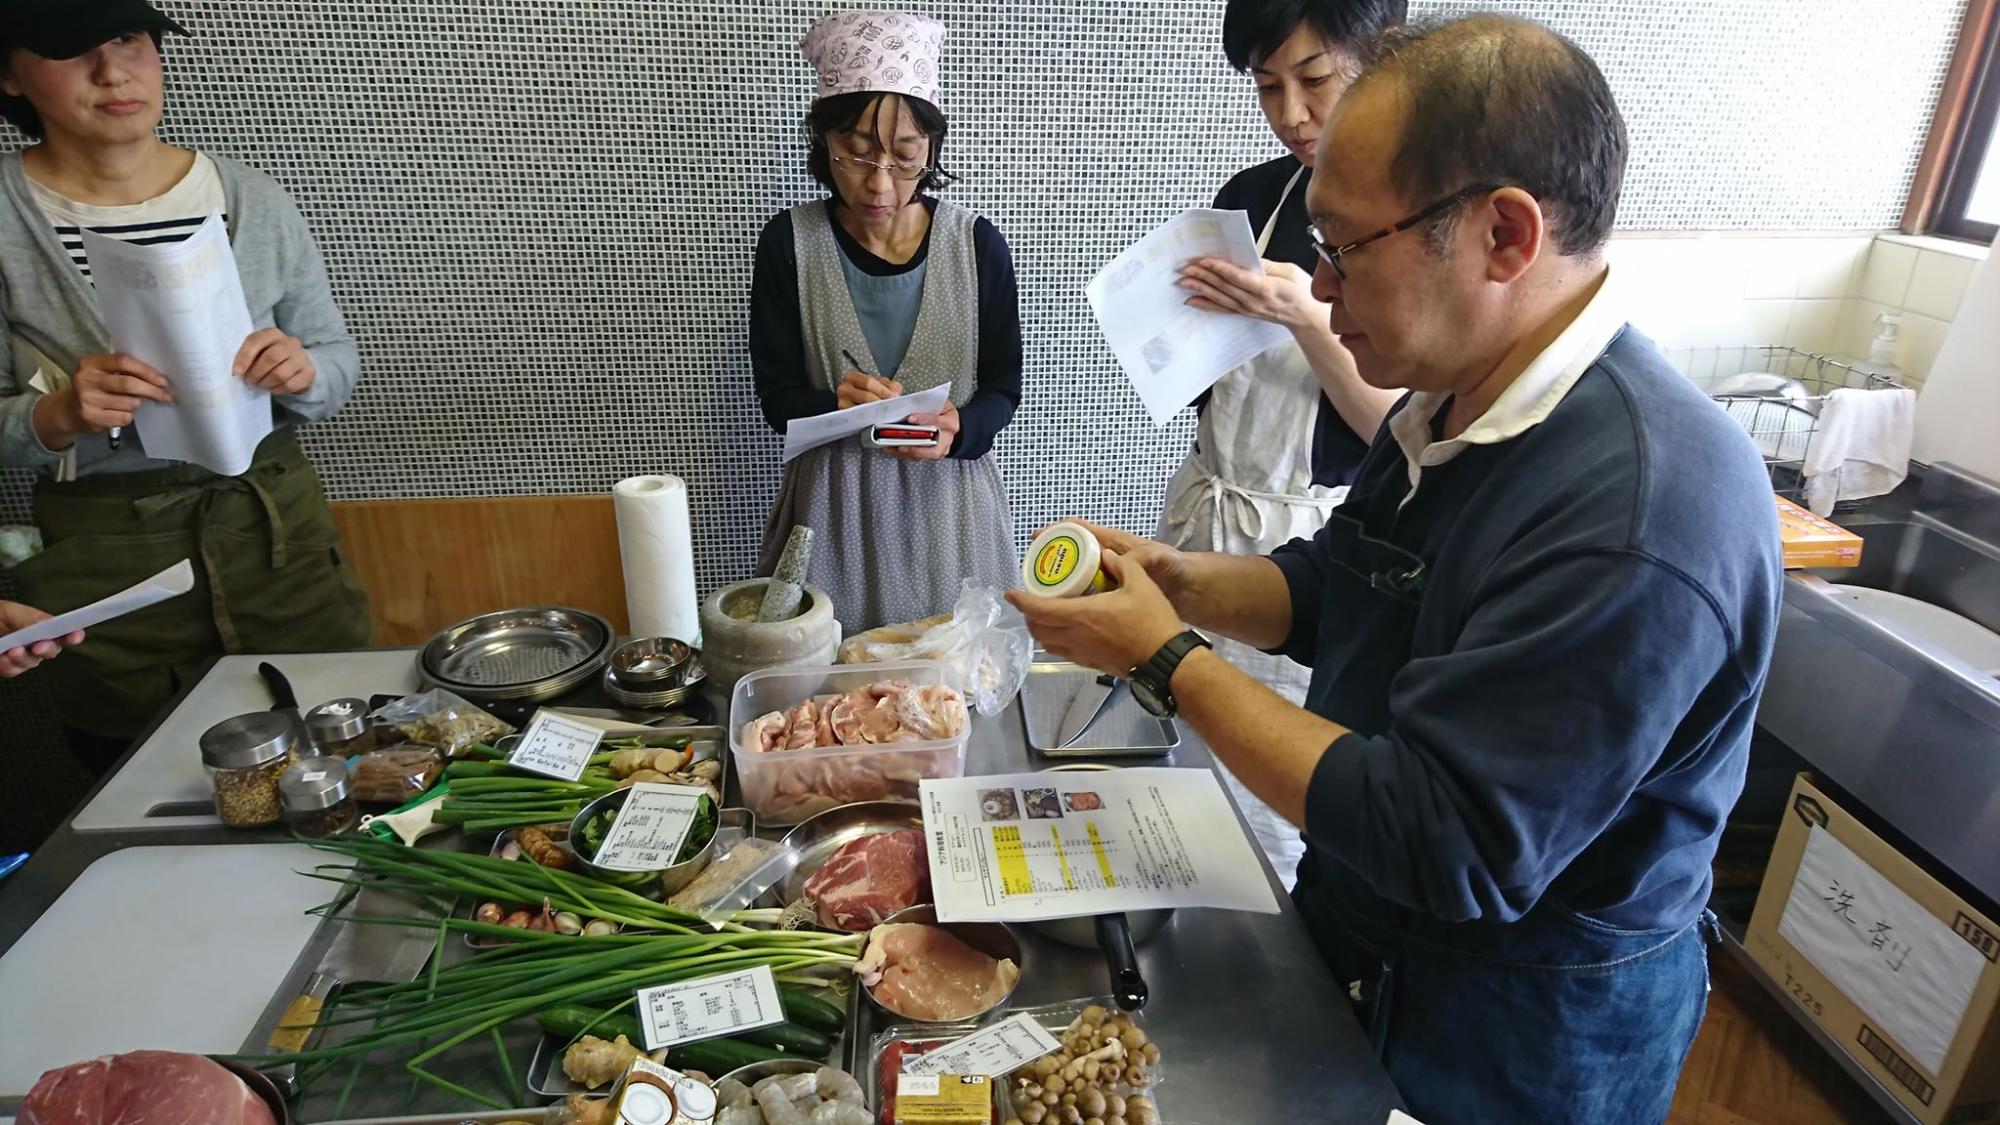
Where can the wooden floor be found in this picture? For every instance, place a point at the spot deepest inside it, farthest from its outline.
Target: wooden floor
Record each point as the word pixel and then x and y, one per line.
pixel 1751 1065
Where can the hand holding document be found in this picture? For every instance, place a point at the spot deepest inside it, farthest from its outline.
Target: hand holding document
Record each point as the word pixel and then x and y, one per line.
pixel 1170 350
pixel 172 582
pixel 179 306
pixel 807 433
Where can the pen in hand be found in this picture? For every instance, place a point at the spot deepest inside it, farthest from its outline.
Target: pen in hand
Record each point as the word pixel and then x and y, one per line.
pixel 855 363
pixel 117 435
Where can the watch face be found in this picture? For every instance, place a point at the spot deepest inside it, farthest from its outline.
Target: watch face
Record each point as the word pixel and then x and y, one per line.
pixel 1149 697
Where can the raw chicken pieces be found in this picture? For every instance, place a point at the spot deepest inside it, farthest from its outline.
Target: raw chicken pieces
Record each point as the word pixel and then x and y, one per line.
pixel 927 974
pixel 871 878
pixel 143 1088
pixel 887 714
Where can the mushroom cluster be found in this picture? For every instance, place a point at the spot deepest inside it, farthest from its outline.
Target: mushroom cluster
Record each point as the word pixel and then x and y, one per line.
pixel 1096 1078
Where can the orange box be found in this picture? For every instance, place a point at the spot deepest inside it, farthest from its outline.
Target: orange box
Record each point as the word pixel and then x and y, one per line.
pixel 1812 541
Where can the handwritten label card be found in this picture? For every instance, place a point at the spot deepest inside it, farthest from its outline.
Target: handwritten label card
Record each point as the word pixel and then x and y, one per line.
pixel 688 1010
pixel 556 745
pixel 1890 956
pixel 651 827
pixel 992 1051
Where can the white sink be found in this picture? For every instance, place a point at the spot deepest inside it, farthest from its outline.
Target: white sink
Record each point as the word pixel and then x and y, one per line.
pixel 1931 626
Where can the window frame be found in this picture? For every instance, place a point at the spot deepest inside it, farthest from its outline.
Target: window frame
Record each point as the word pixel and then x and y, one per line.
pixel 1978 133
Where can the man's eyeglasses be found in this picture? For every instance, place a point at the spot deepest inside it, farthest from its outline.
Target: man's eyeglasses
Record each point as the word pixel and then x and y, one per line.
pixel 898 169
pixel 1332 255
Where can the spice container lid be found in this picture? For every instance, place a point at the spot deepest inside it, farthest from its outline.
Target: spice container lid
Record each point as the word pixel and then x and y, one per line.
pixel 1063 562
pixel 248 740
pixel 316 783
pixel 338 720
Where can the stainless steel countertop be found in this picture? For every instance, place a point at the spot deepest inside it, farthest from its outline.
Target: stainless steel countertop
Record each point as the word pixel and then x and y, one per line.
pixel 1253 1026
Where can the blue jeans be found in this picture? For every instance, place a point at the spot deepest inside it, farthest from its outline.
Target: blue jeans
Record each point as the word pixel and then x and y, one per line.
pixel 1555 1018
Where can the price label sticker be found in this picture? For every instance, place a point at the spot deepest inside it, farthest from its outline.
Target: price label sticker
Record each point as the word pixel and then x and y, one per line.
pixel 556 746
pixel 686 1011
pixel 651 828
pixel 993 1051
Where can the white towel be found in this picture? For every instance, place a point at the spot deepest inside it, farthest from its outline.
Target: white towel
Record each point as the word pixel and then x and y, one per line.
pixel 1862 448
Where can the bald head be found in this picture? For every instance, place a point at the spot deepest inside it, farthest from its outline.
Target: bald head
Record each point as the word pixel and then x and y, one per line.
pixel 1495 100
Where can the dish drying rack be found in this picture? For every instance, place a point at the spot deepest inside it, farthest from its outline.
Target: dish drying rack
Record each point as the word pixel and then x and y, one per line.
pixel 1782 423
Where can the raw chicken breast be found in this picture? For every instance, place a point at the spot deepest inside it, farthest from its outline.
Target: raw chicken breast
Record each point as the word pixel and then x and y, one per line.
pixel 925 973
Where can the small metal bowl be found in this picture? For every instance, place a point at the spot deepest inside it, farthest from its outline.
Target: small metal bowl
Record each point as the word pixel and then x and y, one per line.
pixel 770 1068
pixel 995 939
pixel 656 699
pixel 816 838
pixel 650 662
pixel 672 879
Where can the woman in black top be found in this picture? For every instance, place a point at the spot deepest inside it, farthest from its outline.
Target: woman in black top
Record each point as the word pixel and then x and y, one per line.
pixel 1280 438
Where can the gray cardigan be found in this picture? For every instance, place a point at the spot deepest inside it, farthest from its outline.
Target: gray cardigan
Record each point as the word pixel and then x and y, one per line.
pixel 45 301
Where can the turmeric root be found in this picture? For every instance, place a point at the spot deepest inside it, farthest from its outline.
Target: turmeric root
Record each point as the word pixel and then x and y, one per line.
pixel 539 846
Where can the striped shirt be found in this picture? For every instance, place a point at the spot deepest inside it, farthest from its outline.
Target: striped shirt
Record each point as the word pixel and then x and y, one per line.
pixel 169 217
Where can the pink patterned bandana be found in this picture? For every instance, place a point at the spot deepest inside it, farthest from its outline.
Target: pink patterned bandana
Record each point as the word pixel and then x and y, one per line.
pixel 894 52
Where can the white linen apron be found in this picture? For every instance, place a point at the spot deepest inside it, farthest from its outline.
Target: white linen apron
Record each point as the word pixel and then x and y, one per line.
pixel 1246 488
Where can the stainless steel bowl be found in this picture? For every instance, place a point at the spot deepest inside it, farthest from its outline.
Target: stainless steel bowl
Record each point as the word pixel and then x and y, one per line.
pixel 771 1068
pixel 650 662
pixel 526 655
pixel 661 698
pixel 995 939
pixel 816 838
pixel 673 878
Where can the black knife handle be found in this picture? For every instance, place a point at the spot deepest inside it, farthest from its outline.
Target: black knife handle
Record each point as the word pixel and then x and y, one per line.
pixel 281 688
pixel 1128 985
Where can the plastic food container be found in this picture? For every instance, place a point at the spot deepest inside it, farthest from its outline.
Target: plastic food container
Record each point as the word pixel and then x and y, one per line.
pixel 341 727
pixel 244 757
pixel 784 787
pixel 1065 561
pixel 317 800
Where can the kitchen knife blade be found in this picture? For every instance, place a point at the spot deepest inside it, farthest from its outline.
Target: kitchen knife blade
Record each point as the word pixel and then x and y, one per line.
pixel 371 952
pixel 1084 707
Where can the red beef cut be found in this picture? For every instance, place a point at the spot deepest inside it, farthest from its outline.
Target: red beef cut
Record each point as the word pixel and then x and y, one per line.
pixel 871 878
pixel 143 1088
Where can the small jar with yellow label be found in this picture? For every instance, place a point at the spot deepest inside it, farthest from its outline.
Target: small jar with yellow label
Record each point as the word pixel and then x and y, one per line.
pixel 1065 561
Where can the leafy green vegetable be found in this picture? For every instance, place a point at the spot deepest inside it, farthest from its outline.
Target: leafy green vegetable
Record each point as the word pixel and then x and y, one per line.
pixel 700 832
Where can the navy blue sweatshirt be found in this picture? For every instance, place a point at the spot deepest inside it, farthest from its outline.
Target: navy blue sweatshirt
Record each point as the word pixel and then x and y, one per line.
pixel 1569 718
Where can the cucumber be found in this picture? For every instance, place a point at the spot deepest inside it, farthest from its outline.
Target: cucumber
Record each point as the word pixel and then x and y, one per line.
pixel 806 1010
pixel 798 1042
pixel 717 1057
pixel 571 1021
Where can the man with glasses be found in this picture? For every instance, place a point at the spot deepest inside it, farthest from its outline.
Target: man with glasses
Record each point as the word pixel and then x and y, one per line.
pixel 1538 627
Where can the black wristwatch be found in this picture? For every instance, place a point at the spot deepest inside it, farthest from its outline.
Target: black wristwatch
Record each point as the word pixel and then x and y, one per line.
pixel 1152 681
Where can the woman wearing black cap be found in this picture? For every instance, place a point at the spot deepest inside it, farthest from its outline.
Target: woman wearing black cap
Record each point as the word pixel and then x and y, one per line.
pixel 83 80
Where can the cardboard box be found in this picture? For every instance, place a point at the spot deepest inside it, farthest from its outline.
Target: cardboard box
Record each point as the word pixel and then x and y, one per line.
pixel 1813 541
pixel 1901 971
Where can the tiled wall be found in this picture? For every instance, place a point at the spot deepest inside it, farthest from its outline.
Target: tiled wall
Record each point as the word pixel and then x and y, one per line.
pixel 1706 297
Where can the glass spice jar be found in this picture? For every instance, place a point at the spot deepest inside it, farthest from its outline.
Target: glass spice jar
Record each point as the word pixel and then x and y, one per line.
pixel 341 728
pixel 244 757
pixel 316 797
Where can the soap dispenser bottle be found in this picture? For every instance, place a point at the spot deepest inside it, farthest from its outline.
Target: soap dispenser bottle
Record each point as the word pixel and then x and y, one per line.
pixel 1882 349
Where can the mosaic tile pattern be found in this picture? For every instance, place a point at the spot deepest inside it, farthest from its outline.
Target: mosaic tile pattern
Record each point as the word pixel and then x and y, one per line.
pixel 539 213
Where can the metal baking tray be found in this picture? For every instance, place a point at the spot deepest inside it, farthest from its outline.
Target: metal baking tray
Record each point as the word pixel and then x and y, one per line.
pixel 473 1117
pixel 1124 730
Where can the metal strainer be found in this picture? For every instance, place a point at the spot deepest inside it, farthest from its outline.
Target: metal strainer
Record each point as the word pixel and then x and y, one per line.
pixel 530 655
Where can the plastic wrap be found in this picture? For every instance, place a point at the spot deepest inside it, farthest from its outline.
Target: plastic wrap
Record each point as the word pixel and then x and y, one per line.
pixel 983 638
pixel 736 878
pixel 394 774
pixel 441 719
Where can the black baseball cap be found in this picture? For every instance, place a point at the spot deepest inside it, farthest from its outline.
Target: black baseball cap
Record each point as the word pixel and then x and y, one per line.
pixel 64 29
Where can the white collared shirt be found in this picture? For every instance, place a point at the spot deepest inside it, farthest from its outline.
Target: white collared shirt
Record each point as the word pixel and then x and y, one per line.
pixel 1532 397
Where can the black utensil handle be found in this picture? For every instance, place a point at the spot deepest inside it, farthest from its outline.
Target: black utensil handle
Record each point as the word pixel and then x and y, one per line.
pixel 1128 986
pixel 280 687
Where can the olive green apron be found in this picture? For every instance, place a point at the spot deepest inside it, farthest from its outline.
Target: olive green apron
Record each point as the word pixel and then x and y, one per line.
pixel 267 569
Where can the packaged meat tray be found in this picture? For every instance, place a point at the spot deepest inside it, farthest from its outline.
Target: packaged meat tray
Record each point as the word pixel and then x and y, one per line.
pixel 810 739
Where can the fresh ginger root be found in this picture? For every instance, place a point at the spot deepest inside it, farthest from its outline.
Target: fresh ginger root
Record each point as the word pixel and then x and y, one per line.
pixel 539 846
pixel 582 1110
pixel 627 763
pixel 592 1062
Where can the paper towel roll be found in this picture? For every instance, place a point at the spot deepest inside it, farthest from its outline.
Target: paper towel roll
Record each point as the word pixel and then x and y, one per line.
pixel 656 548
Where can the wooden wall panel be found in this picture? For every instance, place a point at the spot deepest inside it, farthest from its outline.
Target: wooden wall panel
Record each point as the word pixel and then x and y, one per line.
pixel 428 563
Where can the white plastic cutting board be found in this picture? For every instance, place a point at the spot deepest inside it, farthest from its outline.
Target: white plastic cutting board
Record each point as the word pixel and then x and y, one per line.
pixel 1958 411
pixel 166 770
pixel 162 948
